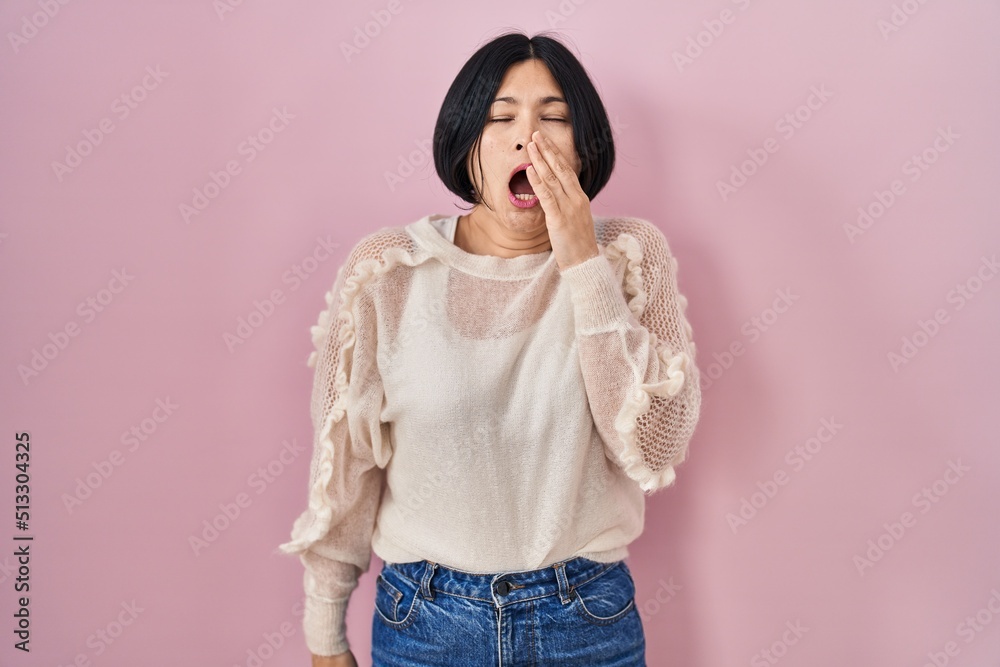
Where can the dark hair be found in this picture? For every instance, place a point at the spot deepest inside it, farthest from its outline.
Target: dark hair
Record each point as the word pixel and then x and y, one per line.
pixel 466 105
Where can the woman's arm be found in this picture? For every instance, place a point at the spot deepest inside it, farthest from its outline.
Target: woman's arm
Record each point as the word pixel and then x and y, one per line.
pixel 333 535
pixel 637 355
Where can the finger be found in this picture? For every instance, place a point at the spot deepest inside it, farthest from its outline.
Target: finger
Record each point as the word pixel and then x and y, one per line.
pixel 558 167
pixel 550 199
pixel 544 170
pixel 545 196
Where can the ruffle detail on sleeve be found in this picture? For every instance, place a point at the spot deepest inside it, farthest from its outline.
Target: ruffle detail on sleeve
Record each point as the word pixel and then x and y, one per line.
pixel 637 405
pixel 677 366
pixel 315 521
pixel 629 247
pixel 320 331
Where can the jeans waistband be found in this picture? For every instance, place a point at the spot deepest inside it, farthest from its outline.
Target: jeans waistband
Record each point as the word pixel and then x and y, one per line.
pixel 504 587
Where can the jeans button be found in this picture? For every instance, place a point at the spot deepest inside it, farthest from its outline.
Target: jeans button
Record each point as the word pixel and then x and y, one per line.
pixel 503 587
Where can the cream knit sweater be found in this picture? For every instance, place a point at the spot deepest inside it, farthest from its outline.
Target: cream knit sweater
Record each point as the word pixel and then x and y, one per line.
pixel 490 414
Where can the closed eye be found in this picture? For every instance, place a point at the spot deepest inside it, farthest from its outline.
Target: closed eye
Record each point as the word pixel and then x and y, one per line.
pixel 507 120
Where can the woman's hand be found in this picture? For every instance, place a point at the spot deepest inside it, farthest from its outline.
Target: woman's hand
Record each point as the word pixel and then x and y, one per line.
pixel 566 206
pixel 345 659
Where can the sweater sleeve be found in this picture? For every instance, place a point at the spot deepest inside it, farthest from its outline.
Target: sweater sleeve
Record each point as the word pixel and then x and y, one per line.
pixel 637 354
pixel 350 451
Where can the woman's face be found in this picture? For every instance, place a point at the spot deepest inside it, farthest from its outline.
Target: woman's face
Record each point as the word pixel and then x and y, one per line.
pixel 520 108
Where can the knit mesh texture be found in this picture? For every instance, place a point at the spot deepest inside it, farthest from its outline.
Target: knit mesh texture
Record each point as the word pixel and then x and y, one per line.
pixel 663 431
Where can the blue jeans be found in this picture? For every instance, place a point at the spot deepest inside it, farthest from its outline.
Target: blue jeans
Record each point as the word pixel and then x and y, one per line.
pixel 575 612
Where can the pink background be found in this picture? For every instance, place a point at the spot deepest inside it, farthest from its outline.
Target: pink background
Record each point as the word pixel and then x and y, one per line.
pixel 712 592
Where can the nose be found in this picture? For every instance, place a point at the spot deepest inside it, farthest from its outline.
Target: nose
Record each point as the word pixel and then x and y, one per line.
pixel 524 139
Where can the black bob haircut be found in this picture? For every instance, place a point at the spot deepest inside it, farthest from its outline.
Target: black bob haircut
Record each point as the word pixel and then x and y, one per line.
pixel 466 106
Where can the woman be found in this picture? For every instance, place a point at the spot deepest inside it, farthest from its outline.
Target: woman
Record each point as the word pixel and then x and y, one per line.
pixel 496 393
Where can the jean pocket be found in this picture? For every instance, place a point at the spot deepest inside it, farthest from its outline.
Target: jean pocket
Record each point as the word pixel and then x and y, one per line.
pixel 396 598
pixel 608 598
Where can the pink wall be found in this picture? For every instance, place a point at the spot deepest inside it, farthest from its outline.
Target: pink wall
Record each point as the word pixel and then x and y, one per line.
pixel 168 92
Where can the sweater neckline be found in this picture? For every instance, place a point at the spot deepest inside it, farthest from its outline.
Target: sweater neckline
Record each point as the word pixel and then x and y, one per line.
pixel 484 266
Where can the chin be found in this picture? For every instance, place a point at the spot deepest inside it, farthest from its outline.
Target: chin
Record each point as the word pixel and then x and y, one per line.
pixel 526 221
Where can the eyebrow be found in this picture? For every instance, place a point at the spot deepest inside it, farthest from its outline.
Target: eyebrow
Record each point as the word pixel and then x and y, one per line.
pixel 542 101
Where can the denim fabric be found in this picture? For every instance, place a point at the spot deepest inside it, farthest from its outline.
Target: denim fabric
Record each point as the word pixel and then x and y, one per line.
pixel 575 612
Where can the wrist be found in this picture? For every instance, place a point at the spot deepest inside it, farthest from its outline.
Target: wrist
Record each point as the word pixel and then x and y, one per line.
pixel 578 257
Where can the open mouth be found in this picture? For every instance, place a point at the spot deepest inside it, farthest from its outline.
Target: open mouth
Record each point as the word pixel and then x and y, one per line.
pixel 519 185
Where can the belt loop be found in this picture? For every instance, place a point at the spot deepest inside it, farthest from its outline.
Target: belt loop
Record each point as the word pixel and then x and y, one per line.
pixel 565 590
pixel 425 581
